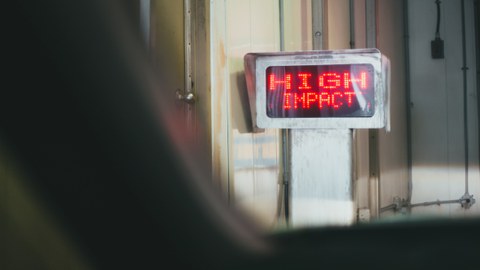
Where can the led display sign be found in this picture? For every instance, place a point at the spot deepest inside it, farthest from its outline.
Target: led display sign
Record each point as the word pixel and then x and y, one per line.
pixel 318 89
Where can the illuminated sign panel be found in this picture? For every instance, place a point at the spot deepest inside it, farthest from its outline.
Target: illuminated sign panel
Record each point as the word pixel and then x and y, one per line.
pixel 318 89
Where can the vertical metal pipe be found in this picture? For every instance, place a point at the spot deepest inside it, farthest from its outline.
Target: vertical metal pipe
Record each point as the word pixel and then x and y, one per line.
pixel 408 99
pixel 188 45
pixel 465 94
pixel 371 23
pixel 188 94
pixel 284 132
pixel 352 23
pixel 145 20
pixel 317 24
pixel 476 15
pixel 374 181
pixel 281 18
pixel 286 172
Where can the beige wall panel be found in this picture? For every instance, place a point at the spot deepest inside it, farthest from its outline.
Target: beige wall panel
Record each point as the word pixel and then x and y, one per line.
pixel 337 24
pixel 298 25
pixel 249 161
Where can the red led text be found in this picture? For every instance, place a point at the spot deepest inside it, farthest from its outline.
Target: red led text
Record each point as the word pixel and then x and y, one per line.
pixel 306 90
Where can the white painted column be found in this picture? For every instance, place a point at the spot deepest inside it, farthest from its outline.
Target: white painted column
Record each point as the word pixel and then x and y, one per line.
pixel 321 177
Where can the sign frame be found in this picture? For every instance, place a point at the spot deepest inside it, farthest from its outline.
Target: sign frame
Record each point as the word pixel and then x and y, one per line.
pixel 256 65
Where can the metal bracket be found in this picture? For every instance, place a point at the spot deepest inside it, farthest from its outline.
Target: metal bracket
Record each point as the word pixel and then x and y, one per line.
pixel 467 201
pixel 189 97
pixel 400 204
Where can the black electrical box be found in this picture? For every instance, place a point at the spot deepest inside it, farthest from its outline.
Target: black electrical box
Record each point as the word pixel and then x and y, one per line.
pixel 437 48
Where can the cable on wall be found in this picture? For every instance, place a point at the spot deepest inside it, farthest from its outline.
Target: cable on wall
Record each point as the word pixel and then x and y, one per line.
pixel 437 43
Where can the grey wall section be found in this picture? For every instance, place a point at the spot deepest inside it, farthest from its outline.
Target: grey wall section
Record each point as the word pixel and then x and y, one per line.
pixel 437 108
pixel 393 145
